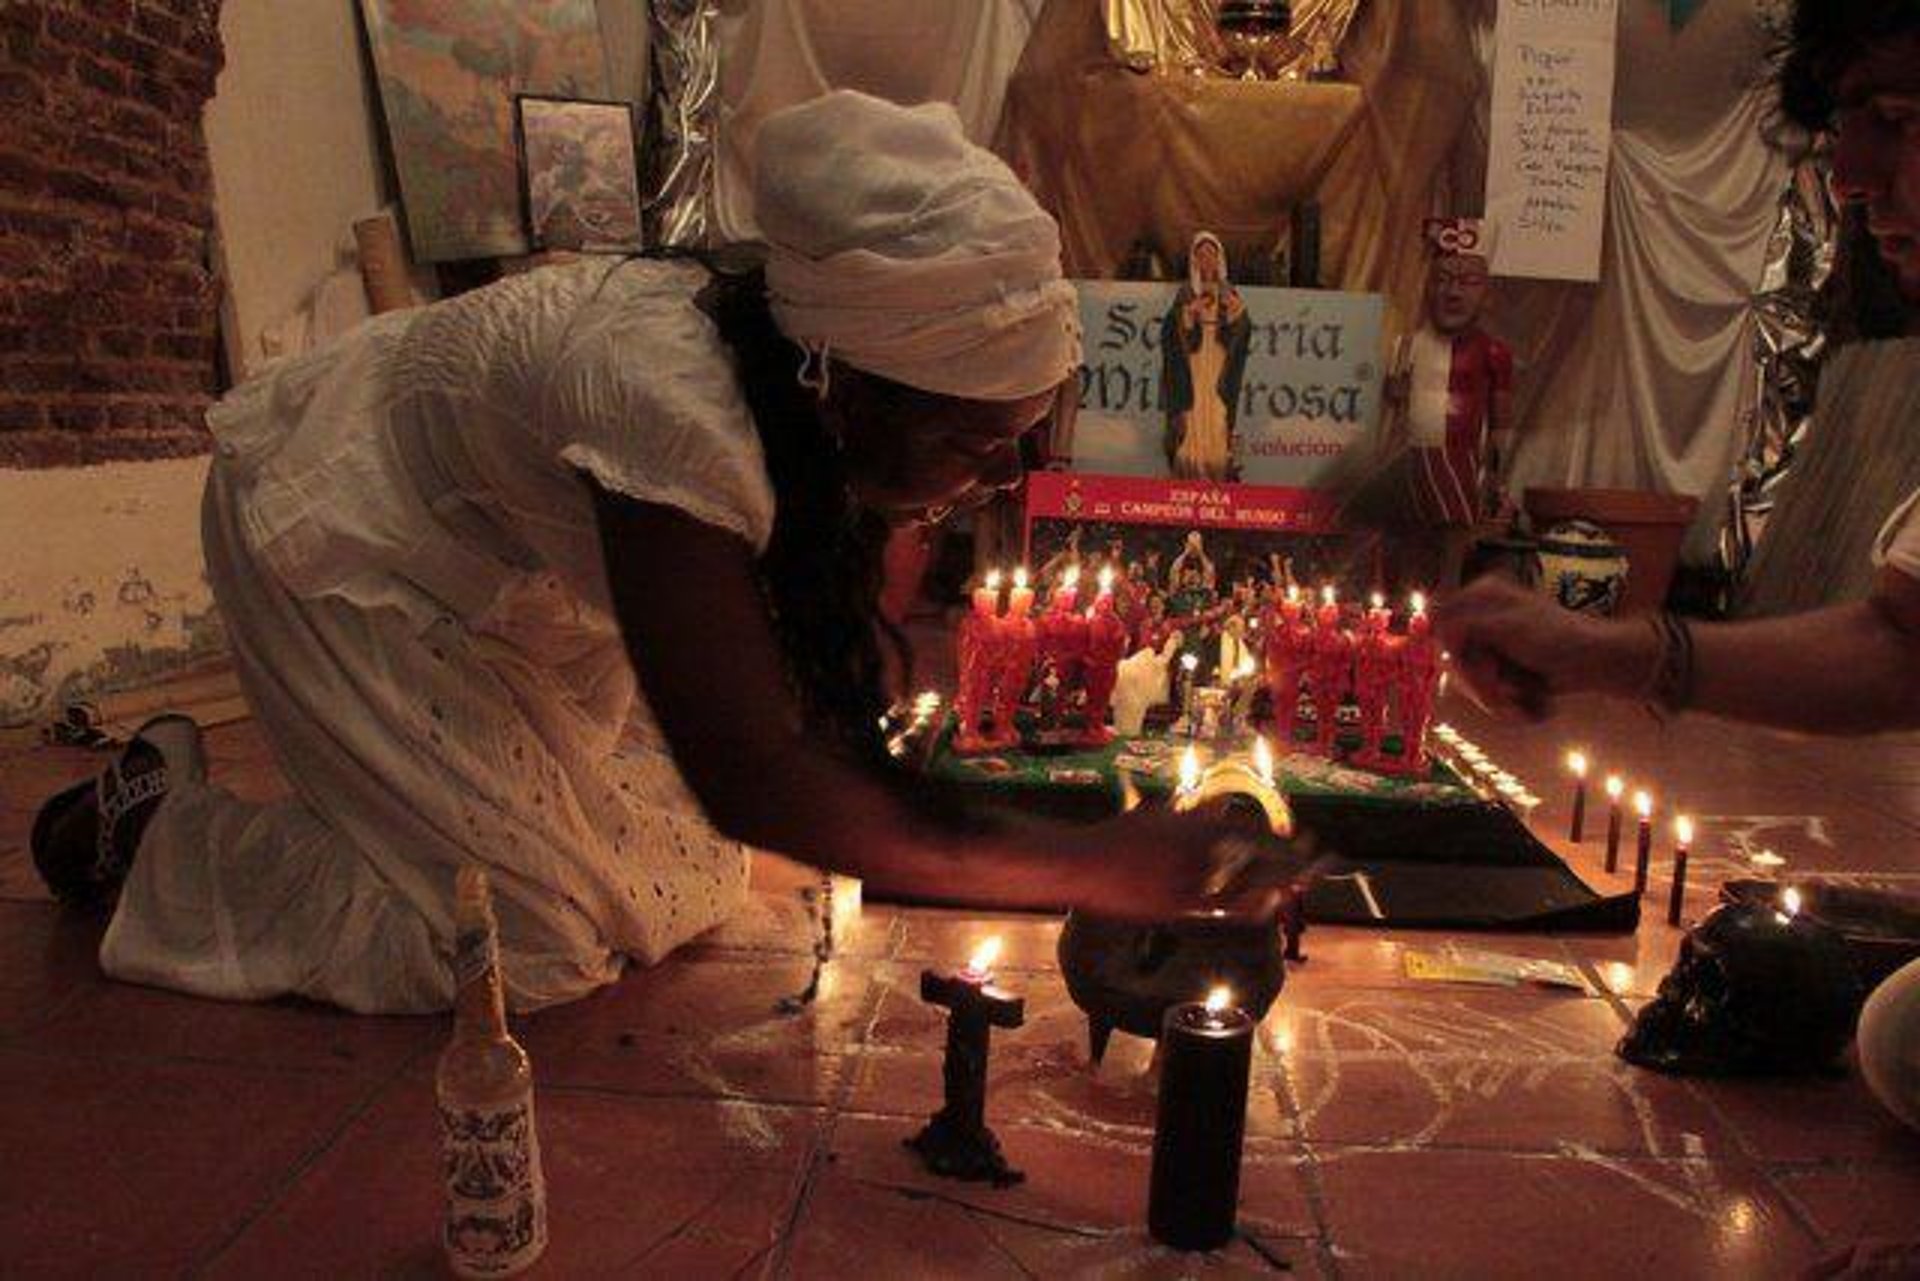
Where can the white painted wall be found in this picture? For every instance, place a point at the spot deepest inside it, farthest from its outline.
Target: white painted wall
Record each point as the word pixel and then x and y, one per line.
pixel 103 585
pixel 295 157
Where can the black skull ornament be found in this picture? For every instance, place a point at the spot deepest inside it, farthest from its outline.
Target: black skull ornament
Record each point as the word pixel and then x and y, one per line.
pixel 1757 990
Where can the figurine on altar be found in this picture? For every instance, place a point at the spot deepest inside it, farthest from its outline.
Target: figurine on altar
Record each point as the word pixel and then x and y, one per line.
pixel 1061 634
pixel 1106 646
pixel 1018 645
pixel 1142 683
pixel 1453 389
pixel 1375 659
pixel 1204 340
pixel 976 644
pixel 1330 672
pixel 1289 643
pixel 1417 681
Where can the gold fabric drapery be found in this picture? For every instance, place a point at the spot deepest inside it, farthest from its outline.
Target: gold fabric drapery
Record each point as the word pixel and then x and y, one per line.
pixel 1117 154
pixel 1180 36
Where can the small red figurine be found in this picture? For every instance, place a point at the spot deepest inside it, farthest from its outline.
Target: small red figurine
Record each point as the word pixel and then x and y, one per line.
pixel 977 642
pixel 1063 640
pixel 1106 646
pixel 1331 672
pixel 1374 661
pixel 1419 679
pixel 1018 645
pixel 1288 650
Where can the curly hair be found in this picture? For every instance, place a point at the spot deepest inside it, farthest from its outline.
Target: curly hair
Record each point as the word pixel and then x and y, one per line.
pixel 1820 39
pixel 822 571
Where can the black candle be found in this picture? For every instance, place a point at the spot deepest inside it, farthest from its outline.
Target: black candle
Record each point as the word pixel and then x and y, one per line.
pixel 957 1142
pixel 1577 829
pixel 1206 1056
pixel 1614 788
pixel 1682 841
pixel 1643 846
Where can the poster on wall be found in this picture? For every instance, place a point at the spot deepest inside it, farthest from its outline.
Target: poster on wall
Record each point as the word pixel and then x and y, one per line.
pixel 1229 411
pixel 448 71
pixel 1270 387
pixel 1551 132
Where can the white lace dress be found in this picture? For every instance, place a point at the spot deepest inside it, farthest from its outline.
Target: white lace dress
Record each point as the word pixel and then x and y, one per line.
pixel 408 567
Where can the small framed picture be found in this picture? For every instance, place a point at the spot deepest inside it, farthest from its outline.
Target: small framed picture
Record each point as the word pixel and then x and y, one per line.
pixel 579 182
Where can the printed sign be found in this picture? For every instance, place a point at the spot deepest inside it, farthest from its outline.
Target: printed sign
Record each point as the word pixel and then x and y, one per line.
pixel 1552 128
pixel 1223 385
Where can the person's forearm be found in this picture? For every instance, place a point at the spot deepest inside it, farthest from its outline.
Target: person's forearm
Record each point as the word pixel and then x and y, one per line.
pixel 1841 670
pixel 812 806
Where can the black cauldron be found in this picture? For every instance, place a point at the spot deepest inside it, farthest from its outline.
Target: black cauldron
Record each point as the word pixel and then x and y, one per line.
pixel 1126 975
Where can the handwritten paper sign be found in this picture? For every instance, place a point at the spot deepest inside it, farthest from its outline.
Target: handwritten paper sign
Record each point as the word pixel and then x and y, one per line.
pixel 1552 127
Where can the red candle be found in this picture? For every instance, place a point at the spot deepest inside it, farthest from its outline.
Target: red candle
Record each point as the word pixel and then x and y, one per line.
pixel 1020 599
pixel 986 597
pixel 1329 614
pixel 1066 592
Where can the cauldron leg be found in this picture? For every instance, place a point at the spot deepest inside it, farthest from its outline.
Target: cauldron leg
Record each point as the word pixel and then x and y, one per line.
pixel 1099 1032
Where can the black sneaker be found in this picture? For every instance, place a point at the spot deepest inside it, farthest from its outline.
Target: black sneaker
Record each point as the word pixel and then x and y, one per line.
pixel 84 838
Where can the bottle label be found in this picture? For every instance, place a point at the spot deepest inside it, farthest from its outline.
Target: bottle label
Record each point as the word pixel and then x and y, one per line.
pixel 496 1196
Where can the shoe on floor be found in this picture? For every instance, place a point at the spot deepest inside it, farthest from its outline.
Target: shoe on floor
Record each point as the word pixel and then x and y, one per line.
pixel 85 838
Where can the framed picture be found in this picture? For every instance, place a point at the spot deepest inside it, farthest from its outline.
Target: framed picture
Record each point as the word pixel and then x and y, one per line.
pixel 448 70
pixel 579 180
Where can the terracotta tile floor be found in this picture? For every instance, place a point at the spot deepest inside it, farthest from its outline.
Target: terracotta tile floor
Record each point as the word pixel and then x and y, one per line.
pixel 690 1129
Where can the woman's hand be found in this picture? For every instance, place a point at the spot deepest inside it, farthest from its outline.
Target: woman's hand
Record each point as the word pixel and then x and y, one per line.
pixel 1154 865
pixel 1516 650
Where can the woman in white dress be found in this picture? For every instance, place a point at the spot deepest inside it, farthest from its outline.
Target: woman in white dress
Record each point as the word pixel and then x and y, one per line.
pixel 446 546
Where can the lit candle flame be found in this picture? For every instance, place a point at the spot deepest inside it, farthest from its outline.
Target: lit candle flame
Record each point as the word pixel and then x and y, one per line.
pixel 981 962
pixel 1020 576
pixel 1790 901
pixel 1643 805
pixel 1263 759
pixel 1071 578
pixel 1222 996
pixel 1190 661
pixel 1683 830
pixel 1577 762
pixel 1327 595
pixel 926 702
pixel 1189 769
pixel 1418 602
pixel 993 580
pixel 1377 601
pixel 1615 786
pixel 1106 579
pixel 1293 594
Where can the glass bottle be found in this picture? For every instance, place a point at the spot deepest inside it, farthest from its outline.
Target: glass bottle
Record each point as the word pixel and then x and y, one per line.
pixel 496 1222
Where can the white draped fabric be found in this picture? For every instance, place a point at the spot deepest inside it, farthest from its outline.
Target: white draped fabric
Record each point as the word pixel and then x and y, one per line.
pixel 1643 380
pixel 775 53
pixel 1640 381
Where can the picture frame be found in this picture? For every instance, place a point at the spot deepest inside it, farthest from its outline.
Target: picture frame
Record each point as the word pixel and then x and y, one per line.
pixel 579 173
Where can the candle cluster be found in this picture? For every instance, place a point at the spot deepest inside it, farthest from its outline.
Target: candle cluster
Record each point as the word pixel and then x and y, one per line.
pixel 1480 773
pixel 1615 788
pixel 1334 656
pixel 1004 651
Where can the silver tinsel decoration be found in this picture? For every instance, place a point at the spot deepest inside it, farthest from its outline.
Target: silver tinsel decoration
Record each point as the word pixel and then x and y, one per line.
pixel 685 101
pixel 1790 344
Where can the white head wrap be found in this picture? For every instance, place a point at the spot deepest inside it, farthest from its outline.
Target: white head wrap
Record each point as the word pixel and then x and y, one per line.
pixel 1193 260
pixel 904 250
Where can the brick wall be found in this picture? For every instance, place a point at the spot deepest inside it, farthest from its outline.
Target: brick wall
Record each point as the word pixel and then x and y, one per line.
pixel 108 309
